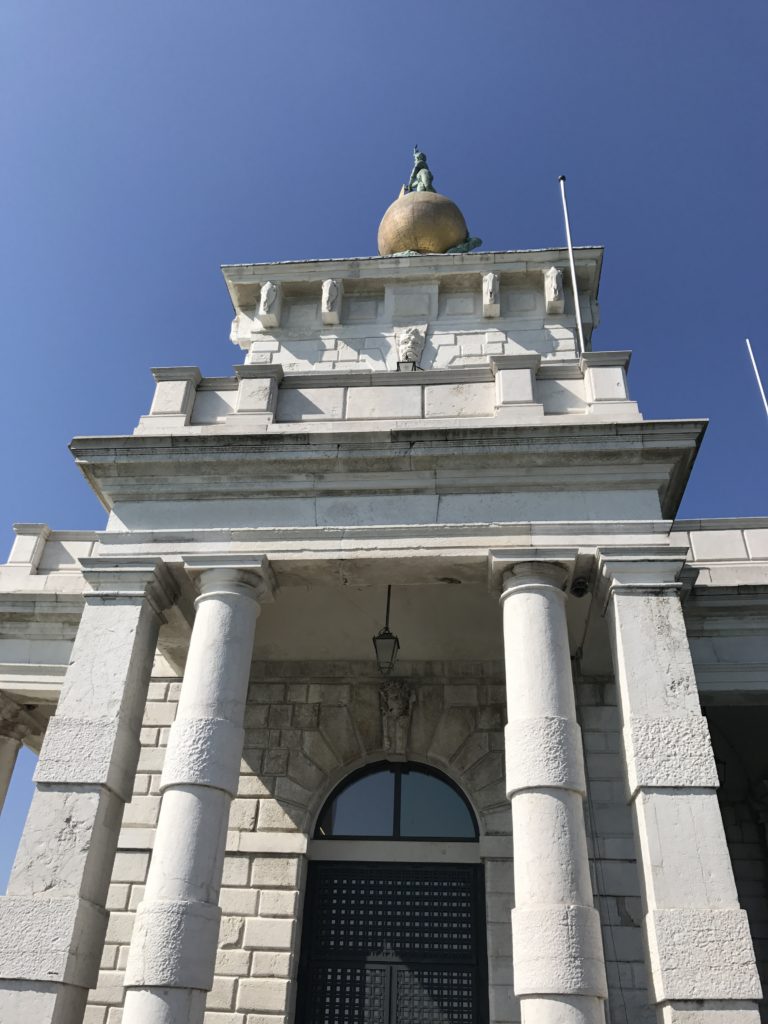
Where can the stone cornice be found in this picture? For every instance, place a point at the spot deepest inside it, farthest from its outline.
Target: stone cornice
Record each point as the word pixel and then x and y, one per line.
pixel 653 454
pixel 356 273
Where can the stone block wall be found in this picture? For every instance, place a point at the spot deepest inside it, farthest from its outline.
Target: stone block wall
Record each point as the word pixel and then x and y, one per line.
pixel 615 875
pixel 307 727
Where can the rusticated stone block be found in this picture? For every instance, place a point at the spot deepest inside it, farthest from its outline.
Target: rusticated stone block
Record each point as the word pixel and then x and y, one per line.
pixel 174 945
pixel 701 954
pixel 558 949
pixel 669 752
pixel 544 752
pixel 56 939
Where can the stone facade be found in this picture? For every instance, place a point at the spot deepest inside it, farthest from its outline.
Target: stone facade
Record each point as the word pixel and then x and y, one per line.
pixel 201 674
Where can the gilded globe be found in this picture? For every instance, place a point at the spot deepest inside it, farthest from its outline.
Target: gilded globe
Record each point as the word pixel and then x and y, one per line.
pixel 421 222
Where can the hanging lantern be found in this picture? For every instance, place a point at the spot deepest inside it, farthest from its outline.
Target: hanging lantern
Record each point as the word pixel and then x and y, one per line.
pixel 386 644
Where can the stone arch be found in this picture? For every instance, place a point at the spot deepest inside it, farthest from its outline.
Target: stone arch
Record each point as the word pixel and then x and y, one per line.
pixel 333 726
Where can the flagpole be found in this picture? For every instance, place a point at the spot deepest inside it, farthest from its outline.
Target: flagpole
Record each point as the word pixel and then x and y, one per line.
pixel 579 324
pixel 757 375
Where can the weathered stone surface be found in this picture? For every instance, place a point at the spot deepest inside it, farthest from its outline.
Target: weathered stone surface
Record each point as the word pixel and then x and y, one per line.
pixel 558 950
pixel 544 752
pixel 55 939
pixel 701 954
pixel 173 945
pixel 670 752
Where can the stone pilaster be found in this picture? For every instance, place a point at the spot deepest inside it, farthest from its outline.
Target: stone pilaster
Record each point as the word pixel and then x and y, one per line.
pixel 559 968
pixel 171 960
pixel 52 920
pixel 701 962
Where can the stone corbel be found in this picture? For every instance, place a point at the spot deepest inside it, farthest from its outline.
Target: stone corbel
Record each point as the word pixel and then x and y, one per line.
pixel 554 296
pixel 330 301
pixel 491 295
pixel 270 304
pixel 256 395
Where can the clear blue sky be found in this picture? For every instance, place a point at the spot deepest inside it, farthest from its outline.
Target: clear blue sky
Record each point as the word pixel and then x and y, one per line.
pixel 146 143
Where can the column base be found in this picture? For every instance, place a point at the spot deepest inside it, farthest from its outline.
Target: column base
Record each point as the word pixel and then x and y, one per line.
pixel 164 1006
pixel 562 1010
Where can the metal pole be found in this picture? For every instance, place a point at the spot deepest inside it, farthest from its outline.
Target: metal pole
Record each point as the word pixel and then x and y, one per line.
pixel 581 346
pixel 757 375
pixel 389 598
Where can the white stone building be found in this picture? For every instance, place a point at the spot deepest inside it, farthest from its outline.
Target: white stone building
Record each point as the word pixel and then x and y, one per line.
pixel 239 819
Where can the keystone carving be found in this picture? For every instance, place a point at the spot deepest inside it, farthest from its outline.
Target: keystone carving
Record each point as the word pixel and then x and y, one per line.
pixel 396 699
pixel 410 343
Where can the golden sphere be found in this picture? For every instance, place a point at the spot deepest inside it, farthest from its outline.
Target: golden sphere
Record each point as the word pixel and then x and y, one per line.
pixel 422 222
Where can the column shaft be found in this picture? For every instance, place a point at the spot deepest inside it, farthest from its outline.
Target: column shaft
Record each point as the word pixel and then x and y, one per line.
pixel 9 750
pixel 172 954
pixel 52 920
pixel 557 947
pixel 702 966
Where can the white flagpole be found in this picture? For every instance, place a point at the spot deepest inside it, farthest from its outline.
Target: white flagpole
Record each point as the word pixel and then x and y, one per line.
pixel 573 267
pixel 757 375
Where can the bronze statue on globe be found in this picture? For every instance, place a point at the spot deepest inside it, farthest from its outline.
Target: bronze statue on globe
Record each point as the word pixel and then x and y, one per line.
pixel 422 221
pixel 421 176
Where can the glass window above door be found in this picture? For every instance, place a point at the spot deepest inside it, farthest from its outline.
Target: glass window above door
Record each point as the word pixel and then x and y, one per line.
pixel 397 801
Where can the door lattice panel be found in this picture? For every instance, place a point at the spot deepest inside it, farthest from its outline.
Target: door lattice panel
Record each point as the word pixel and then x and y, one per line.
pixel 427 912
pixel 355 995
pixel 436 996
pixel 393 944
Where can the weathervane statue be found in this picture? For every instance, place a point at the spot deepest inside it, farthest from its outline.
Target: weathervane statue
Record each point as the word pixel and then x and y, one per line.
pixel 421 220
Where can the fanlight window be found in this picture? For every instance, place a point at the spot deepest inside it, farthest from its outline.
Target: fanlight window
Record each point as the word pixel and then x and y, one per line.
pixel 397 801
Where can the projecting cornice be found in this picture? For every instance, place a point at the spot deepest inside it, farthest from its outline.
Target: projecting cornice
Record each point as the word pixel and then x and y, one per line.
pixel 586 457
pixel 244 279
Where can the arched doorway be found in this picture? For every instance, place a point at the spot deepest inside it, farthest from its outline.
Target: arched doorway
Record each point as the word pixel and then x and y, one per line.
pixel 388 940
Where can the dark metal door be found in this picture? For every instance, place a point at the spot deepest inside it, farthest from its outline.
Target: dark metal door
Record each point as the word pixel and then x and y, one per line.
pixel 393 944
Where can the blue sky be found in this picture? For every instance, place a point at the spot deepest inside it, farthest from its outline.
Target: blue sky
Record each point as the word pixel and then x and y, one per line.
pixel 146 143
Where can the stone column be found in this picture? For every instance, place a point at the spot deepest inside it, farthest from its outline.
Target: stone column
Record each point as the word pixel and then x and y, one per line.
pixel 12 732
pixel 52 920
pixel 9 749
pixel 559 970
pixel 172 954
pixel 701 963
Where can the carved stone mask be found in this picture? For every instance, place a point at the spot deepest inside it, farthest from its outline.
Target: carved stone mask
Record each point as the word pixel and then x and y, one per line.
pixel 410 344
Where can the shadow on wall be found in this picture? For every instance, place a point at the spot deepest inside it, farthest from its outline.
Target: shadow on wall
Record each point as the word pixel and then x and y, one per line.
pixel 738 738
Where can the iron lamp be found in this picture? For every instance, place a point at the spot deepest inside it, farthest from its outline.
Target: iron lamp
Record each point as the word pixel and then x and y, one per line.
pixel 386 644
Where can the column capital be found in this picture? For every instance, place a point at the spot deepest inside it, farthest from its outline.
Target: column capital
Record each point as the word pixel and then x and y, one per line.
pixel 248 575
pixel 637 571
pixel 129 579
pixel 16 722
pixel 524 575
pixel 566 568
